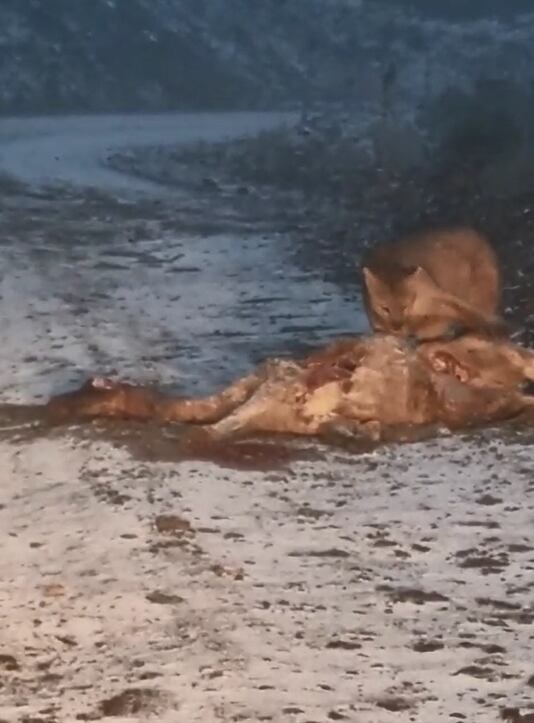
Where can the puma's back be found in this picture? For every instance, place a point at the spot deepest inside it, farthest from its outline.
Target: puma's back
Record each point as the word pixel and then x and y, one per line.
pixel 429 282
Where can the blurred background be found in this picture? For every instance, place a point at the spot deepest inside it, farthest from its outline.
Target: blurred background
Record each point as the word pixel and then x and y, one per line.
pixel 115 55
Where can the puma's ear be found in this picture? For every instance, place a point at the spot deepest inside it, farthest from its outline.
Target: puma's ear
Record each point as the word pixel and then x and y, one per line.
pixel 421 276
pixel 373 283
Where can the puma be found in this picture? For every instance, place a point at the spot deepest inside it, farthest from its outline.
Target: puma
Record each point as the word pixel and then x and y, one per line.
pixel 433 284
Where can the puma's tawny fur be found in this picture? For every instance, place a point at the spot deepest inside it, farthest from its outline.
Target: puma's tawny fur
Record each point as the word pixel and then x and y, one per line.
pixel 368 385
pixel 432 284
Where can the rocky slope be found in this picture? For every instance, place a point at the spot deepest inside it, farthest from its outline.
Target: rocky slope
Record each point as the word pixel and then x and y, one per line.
pixel 79 55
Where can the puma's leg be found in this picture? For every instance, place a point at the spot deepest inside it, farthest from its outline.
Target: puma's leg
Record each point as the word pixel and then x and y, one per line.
pixel 467 318
pixel 451 318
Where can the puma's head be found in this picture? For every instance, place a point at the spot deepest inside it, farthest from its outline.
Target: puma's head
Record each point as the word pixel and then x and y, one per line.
pixel 407 302
pixel 395 295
